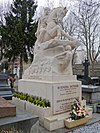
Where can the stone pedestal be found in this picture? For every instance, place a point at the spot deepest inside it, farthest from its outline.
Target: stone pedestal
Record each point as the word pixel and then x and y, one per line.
pixel 60 91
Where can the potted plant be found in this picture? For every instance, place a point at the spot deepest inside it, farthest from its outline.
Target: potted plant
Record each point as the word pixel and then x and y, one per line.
pixel 78 115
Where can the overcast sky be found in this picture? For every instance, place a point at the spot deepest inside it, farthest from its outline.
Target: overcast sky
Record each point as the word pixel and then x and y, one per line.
pixel 40 2
pixel 44 2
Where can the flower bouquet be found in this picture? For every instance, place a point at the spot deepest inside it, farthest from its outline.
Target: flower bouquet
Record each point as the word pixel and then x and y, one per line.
pixel 78 115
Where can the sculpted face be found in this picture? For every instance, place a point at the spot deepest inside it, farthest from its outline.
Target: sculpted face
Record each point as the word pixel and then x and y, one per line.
pixel 46 10
pixel 61 14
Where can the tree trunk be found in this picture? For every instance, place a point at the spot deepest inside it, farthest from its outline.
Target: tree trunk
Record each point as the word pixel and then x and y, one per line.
pixel 93 63
pixel 21 67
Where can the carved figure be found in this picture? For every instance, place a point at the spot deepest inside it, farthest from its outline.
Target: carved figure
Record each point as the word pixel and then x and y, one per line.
pixel 42 22
pixel 52 55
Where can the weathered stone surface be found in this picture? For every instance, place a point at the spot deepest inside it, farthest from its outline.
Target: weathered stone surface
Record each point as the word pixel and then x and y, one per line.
pixel 6 108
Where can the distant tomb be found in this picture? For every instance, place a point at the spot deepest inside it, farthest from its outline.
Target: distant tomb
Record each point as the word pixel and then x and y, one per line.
pixel 86 67
pixel 5 89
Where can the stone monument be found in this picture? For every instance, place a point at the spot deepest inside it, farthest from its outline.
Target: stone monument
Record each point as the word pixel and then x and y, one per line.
pixel 5 90
pixel 50 75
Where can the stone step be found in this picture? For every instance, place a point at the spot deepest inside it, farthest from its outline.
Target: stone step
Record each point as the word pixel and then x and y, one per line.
pixel 4 84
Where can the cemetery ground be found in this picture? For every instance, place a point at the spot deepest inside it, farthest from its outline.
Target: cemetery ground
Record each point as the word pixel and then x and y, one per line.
pixel 93 125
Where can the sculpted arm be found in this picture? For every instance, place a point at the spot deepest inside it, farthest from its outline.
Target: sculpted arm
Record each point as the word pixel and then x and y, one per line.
pixel 38 28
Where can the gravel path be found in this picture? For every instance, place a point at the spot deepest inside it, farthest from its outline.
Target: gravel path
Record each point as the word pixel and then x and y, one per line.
pixel 93 128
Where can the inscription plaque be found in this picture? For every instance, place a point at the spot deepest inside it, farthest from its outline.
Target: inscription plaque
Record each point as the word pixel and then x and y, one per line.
pixel 64 95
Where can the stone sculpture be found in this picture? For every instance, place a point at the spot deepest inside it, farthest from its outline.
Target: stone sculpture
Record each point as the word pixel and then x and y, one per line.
pixel 50 74
pixel 52 54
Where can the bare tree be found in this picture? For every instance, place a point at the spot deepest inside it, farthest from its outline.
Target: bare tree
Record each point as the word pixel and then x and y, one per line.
pixel 50 4
pixel 88 28
pixel 62 2
pixel 71 27
pixel 1 14
pixel 4 7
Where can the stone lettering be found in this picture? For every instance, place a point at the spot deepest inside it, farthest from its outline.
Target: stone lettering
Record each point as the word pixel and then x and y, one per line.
pixel 64 96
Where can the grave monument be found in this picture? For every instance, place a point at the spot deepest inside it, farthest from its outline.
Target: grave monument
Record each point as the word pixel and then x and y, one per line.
pixel 5 90
pixel 50 75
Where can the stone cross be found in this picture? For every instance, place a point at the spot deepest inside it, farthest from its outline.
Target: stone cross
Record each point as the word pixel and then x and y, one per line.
pixel 86 67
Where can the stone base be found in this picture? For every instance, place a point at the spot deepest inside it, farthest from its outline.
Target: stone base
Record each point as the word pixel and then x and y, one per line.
pixel 60 94
pixel 55 122
pixel 6 108
pixel 46 118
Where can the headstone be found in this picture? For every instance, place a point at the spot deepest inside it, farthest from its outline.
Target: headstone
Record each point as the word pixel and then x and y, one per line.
pixel 5 89
pixel 86 68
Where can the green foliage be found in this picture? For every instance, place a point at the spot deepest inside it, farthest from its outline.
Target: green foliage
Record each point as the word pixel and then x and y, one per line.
pixel 98 103
pixel 19 29
pixel 83 98
pixel 30 99
pixel 33 99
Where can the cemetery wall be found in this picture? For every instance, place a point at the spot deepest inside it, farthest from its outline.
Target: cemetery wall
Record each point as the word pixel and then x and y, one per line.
pixel 78 69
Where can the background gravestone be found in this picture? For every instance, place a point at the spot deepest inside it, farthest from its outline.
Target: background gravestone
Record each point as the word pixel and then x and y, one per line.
pixel 5 90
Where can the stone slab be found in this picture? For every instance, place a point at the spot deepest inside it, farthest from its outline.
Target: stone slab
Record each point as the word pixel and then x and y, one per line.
pixel 23 122
pixel 6 108
pixel 90 88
